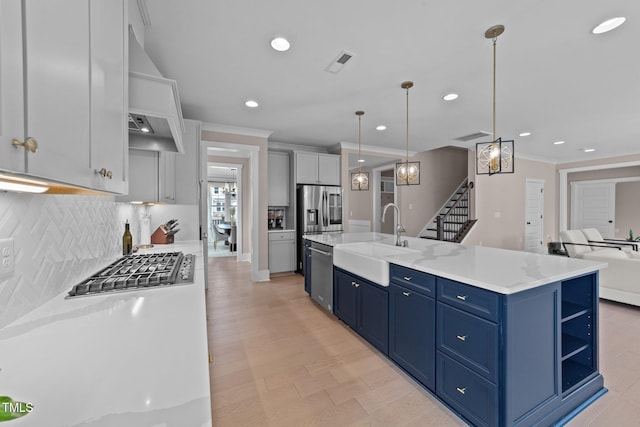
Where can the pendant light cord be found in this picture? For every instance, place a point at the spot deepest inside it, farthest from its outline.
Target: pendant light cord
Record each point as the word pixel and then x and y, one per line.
pixel 407 136
pixel 359 146
pixel 494 88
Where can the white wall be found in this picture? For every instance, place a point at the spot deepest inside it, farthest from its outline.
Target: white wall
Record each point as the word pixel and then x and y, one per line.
pixel 500 205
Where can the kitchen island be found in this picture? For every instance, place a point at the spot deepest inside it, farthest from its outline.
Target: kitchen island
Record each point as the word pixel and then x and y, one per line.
pixel 135 358
pixel 503 338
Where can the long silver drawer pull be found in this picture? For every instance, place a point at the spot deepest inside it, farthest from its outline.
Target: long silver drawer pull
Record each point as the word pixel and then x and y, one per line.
pixel 406 294
pixel 407 278
pixel 318 251
pixel 461 297
pixel 461 390
pixel 461 337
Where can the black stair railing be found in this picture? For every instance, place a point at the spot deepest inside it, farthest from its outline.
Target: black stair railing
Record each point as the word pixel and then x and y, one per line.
pixel 446 228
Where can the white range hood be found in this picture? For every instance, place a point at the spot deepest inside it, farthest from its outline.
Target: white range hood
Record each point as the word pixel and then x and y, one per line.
pixel 154 105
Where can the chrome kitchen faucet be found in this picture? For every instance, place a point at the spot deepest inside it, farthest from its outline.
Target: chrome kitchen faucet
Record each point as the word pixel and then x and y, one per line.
pixel 399 228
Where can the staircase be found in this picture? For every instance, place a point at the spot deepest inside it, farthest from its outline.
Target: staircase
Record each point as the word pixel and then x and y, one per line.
pixel 452 222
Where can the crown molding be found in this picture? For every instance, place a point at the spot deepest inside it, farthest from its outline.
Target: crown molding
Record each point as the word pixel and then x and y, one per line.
pixel 285 146
pixel 372 149
pixel 236 130
pixel 143 7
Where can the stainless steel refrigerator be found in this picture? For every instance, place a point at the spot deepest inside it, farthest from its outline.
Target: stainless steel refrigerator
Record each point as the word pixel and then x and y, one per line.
pixel 318 210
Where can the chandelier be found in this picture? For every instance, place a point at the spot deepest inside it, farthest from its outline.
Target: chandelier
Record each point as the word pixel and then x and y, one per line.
pixel 496 156
pixel 407 173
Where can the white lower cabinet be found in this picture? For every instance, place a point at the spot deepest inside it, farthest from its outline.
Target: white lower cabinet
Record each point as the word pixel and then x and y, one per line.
pixel 282 251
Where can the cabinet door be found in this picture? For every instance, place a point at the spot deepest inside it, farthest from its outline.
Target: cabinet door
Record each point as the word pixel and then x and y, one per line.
pixel 143 177
pixel 412 333
pixel 373 315
pixel 11 87
pixel 279 179
pixel 187 172
pixel 281 255
pixel 345 297
pixel 57 78
pixel 306 168
pixel 329 169
pixel 167 177
pixel 109 148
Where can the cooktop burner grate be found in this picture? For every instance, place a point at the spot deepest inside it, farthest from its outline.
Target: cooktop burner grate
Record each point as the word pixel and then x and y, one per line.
pixel 135 272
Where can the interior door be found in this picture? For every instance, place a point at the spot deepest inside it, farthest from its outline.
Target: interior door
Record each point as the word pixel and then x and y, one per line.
pixel 534 216
pixel 593 205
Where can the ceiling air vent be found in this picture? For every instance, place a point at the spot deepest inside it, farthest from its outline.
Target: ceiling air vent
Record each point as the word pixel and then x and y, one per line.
pixel 471 136
pixel 338 64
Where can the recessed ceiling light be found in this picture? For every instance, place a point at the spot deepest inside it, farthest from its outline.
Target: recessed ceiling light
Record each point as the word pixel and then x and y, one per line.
pixel 525 134
pixel 589 150
pixel 280 44
pixel 381 127
pixel 559 142
pixel 450 96
pixel 360 160
pixel 251 103
pixel 608 25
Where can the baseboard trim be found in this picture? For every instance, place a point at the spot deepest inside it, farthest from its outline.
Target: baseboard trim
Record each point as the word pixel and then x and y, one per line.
pixel 260 276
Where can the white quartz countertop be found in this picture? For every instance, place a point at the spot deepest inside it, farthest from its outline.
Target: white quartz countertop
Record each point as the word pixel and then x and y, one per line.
pixel 135 358
pixel 333 239
pixel 498 270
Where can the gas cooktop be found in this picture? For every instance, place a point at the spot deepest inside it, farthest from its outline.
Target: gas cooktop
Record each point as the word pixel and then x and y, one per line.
pixel 136 272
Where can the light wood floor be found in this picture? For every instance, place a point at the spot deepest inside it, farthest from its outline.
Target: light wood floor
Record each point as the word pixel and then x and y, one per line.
pixel 280 360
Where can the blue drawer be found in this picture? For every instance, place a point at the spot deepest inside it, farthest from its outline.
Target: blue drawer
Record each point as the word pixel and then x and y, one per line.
pixel 467 392
pixel 469 339
pixel 417 281
pixel 477 301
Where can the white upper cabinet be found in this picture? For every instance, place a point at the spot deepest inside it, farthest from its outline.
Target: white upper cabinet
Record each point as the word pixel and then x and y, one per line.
pixel 187 170
pixel 109 131
pixel 317 168
pixel 69 78
pixel 279 182
pixel 166 177
pixel 306 168
pixel 11 87
pixel 328 169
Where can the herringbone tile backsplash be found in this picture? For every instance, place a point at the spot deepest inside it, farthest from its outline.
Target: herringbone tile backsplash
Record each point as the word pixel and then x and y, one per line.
pixel 58 240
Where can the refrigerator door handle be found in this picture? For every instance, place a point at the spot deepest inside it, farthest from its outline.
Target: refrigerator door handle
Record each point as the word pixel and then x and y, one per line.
pixel 325 211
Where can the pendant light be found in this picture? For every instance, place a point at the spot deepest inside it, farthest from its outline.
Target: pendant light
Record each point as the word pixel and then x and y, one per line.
pixel 407 173
pixel 360 180
pixel 234 184
pixel 496 156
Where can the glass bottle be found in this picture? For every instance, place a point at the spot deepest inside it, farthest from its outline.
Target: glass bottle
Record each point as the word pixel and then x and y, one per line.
pixel 127 240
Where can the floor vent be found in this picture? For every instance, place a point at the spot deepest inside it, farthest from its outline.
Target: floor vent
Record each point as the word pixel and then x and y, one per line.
pixel 338 64
pixel 472 136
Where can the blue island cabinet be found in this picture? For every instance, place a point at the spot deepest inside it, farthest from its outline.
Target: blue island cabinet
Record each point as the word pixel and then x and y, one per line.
pixel 364 306
pixel 522 359
pixel 528 358
pixel 412 323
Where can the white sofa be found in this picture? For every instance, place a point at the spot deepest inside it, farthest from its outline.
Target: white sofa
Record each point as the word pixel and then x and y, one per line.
pixel 594 236
pixel 620 281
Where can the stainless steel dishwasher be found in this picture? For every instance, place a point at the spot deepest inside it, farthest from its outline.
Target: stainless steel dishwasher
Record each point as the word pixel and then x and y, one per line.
pixel 322 274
